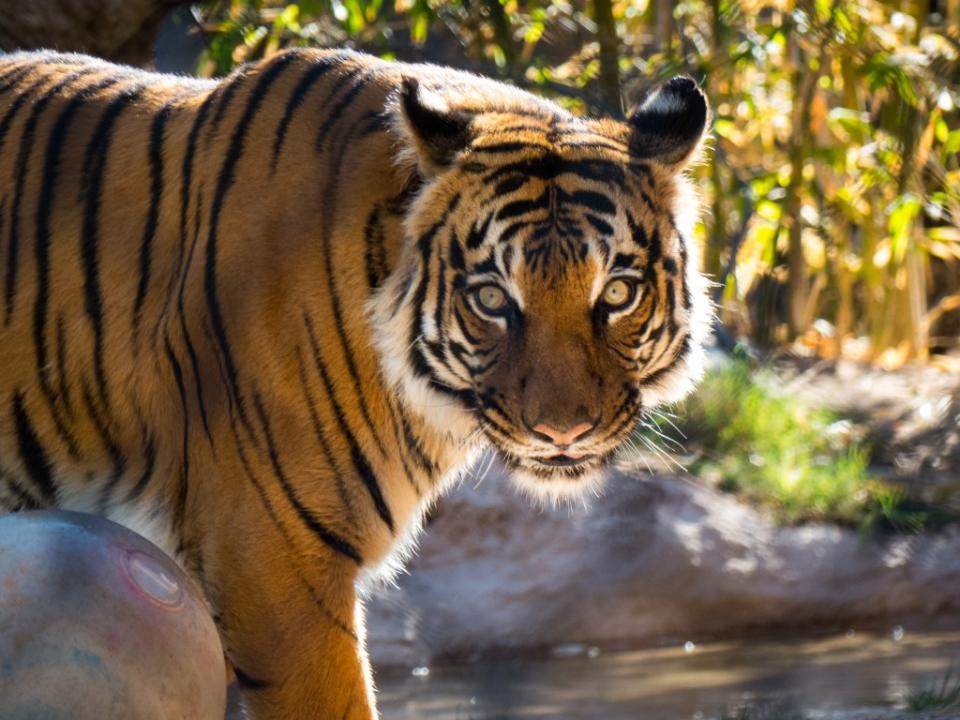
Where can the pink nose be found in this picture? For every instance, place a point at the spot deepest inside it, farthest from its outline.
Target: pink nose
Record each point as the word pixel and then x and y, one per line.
pixel 563 438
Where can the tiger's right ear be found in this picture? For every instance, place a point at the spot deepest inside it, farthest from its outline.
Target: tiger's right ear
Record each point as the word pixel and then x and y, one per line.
pixel 669 126
pixel 435 132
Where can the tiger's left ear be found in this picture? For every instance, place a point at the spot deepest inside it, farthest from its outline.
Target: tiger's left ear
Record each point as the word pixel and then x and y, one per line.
pixel 435 132
pixel 670 124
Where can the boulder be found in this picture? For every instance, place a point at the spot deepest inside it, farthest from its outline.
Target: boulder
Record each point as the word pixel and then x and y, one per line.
pixel 654 558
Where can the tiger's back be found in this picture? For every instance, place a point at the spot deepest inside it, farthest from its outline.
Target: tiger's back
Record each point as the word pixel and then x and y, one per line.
pixel 264 321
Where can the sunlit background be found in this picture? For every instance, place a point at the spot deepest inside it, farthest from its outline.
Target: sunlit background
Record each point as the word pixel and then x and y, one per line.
pixel 784 545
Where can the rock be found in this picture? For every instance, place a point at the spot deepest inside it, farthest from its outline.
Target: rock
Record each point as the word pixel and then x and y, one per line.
pixel 653 558
pixel 96 623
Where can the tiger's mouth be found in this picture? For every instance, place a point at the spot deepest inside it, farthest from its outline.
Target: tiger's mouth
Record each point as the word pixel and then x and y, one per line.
pixel 555 466
pixel 565 459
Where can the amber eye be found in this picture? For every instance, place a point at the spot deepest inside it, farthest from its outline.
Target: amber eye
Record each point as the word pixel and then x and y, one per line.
pixel 618 293
pixel 491 298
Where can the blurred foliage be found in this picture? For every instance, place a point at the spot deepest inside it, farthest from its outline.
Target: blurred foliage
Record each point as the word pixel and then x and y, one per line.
pixel 801 462
pixel 834 182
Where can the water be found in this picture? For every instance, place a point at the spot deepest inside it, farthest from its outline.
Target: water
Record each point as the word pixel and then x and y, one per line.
pixel 679 683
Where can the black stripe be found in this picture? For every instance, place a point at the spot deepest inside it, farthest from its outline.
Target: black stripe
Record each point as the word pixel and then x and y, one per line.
pixel 598 145
pixel 184 330
pixel 408 473
pixel 248 682
pixel 15 106
pixel 32 453
pixel 294 552
pixel 637 232
pixel 509 147
pixel 374 251
pixel 186 177
pixel 438 351
pixel 25 501
pixel 522 207
pixel 478 233
pixel 23 155
pixel 509 185
pixel 224 182
pixel 155 156
pixel 333 117
pixel 51 168
pixel 414 444
pixel 360 462
pixel 551 166
pixel 654 249
pixel 512 230
pixel 324 441
pixel 149 466
pixel 186 173
pixel 626 408
pixel 63 392
pixel 95 159
pixel 601 226
pixel 374 122
pixel 467 335
pixel 182 272
pixel 457 260
pixel 682 247
pixel 418 362
pixel 103 430
pixel 330 202
pixel 225 91
pixel 8 70
pixel 623 261
pixel 309 517
pixel 10 79
pixel 597 202
pixel 185 432
pixel 642 170
pixel 440 299
pixel 309 79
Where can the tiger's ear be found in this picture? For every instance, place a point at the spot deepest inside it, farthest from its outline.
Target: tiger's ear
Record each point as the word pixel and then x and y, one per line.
pixel 669 125
pixel 435 132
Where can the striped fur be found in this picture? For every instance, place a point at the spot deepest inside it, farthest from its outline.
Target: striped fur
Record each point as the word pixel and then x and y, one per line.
pixel 241 318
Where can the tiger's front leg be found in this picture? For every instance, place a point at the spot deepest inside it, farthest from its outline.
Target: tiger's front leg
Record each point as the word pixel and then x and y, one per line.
pixel 298 648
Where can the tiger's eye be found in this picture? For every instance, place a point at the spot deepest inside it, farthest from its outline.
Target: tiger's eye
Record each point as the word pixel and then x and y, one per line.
pixel 618 293
pixel 491 298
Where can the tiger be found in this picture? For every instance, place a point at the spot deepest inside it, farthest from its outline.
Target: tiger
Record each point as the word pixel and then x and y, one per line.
pixel 266 321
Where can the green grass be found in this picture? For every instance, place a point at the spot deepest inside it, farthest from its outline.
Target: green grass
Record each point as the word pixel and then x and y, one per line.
pixel 796 460
pixel 941 696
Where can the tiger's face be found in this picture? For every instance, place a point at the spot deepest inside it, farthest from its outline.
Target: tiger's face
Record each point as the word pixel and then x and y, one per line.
pixel 551 292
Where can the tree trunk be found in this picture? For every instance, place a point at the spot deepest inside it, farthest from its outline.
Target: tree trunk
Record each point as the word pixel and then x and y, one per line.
pixel 502 31
pixel 717 62
pixel 663 28
pixel 609 55
pixel 119 30
pixel 804 83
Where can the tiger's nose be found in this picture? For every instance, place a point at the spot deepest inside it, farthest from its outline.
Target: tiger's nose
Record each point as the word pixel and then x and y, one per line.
pixel 563 438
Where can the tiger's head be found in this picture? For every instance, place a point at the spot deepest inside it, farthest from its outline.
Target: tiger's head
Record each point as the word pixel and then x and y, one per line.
pixel 548 292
